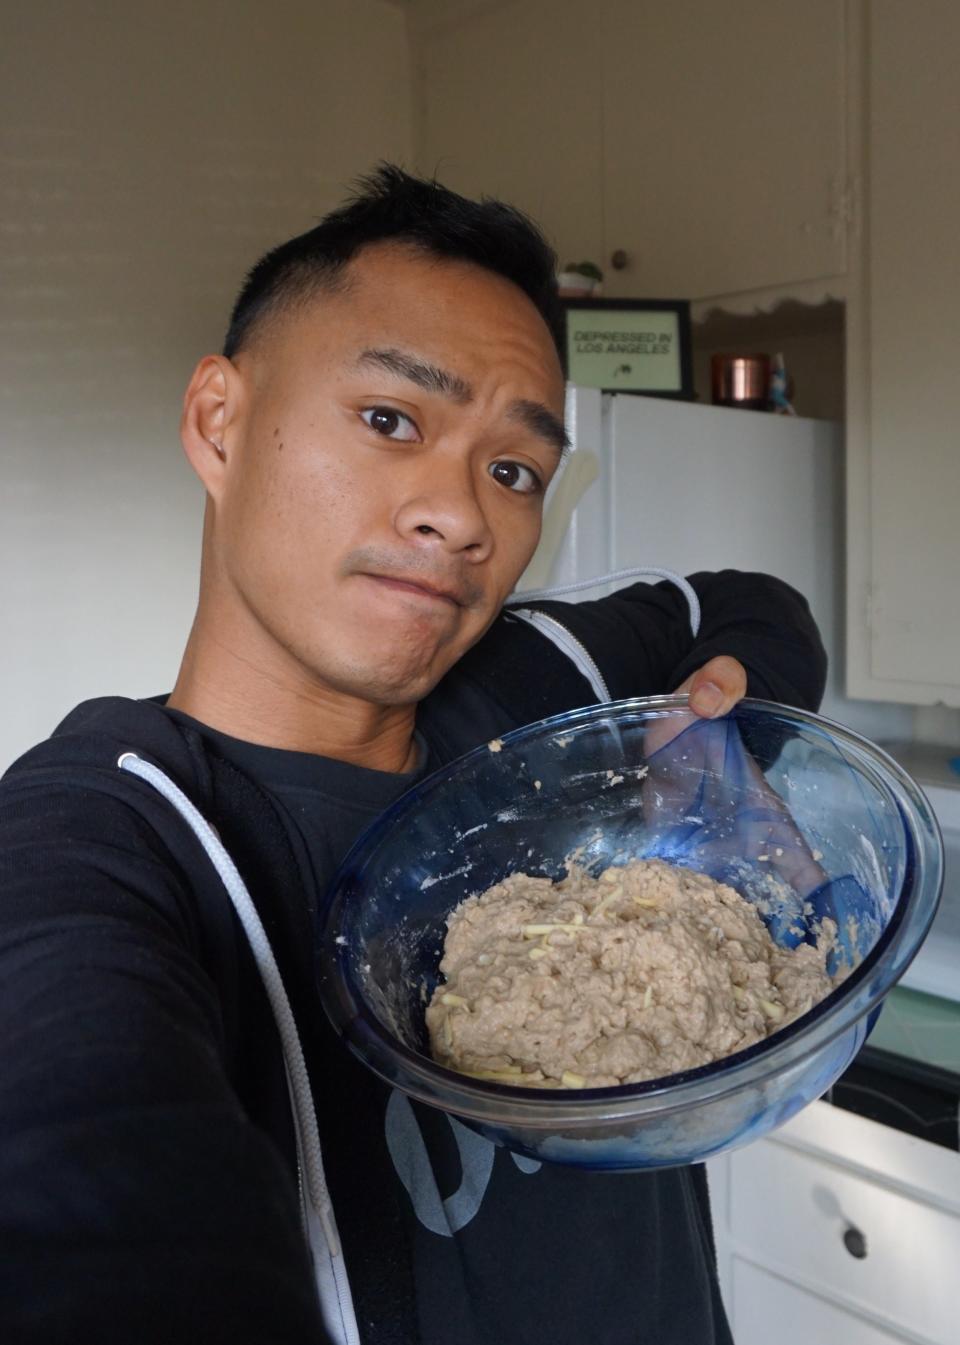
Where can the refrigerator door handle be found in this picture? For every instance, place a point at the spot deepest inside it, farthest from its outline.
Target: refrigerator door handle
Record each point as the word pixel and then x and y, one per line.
pixel 580 472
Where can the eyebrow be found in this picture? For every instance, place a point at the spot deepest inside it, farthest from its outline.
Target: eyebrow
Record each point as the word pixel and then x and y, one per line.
pixel 533 416
pixel 539 421
pixel 424 375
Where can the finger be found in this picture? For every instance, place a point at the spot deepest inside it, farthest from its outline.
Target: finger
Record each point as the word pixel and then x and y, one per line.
pixel 715 688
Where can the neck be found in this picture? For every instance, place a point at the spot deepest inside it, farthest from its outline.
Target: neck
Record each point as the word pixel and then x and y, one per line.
pixel 275 702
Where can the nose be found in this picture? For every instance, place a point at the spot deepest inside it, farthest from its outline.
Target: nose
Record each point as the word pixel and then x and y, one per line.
pixel 443 510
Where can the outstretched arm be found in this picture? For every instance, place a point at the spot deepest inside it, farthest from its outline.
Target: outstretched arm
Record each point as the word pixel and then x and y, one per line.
pixel 137 1200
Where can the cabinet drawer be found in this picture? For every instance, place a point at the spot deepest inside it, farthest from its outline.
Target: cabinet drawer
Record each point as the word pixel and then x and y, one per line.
pixel 767 1309
pixel 789 1211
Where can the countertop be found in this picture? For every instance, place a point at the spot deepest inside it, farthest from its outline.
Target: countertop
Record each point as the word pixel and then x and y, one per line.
pixel 929 765
pixel 921 1027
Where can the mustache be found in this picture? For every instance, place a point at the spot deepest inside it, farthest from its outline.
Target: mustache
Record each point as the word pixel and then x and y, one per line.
pixel 413 569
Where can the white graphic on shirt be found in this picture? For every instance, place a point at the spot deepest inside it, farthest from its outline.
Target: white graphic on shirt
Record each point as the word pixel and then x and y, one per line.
pixel 411 1162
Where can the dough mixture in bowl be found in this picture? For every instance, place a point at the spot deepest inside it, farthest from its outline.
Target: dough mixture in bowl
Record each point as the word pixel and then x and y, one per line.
pixel 644 971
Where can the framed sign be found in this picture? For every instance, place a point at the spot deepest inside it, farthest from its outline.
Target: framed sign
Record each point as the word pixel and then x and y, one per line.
pixel 630 345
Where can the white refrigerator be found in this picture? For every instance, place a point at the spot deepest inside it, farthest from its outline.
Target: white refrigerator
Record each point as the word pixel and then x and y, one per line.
pixel 687 487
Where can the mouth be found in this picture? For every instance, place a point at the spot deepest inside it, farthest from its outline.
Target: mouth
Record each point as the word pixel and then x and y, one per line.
pixel 449 595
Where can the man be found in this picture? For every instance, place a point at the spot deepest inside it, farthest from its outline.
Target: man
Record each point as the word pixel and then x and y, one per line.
pixel 375 442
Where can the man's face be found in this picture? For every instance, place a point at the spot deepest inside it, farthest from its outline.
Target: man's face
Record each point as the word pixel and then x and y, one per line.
pixel 386 472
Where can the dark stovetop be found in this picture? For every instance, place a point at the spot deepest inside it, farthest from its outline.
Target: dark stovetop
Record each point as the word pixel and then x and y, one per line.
pixel 910 1095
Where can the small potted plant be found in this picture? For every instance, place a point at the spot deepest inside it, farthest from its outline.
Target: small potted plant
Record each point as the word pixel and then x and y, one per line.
pixel 579 280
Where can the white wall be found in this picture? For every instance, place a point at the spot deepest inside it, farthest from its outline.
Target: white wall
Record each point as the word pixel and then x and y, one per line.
pixel 150 152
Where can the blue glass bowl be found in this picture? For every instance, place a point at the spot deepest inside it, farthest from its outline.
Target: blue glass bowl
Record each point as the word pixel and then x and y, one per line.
pixel 802 816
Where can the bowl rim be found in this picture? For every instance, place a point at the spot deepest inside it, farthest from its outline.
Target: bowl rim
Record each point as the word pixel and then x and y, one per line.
pixel 476 1099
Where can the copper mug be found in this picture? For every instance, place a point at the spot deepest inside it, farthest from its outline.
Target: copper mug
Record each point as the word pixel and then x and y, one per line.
pixel 741 380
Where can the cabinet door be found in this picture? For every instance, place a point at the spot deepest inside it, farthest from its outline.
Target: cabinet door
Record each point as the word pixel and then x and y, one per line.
pixel 904 439
pixel 724 145
pixel 509 105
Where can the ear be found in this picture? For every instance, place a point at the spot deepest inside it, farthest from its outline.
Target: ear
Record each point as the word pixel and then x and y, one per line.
pixel 209 405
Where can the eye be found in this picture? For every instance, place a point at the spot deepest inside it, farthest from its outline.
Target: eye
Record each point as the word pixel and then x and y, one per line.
pixel 387 422
pixel 516 477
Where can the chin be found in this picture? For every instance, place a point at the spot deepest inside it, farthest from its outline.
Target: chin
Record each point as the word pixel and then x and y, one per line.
pixel 386 682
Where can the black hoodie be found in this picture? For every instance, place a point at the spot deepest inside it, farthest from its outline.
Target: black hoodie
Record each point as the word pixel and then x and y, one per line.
pixel 147 1191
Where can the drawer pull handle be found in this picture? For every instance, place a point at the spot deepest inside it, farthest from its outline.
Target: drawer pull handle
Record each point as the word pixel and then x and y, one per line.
pixel 855 1242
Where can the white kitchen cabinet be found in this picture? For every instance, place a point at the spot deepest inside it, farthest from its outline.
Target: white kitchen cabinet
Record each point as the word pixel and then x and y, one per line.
pixel 724 145
pixel 782 1207
pixel 707 142
pixel 740 156
pixel 509 105
pixel 903 320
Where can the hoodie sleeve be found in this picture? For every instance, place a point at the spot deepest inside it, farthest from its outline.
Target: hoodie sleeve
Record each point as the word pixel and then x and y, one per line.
pixel 137 1200
pixel 641 640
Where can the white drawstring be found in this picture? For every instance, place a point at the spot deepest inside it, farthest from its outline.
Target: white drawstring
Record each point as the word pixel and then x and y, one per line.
pixel 304 1114
pixel 693 602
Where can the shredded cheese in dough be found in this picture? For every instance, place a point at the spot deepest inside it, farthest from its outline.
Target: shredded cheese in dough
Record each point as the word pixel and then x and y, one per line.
pixel 648 970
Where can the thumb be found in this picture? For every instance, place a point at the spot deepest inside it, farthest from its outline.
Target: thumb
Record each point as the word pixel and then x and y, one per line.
pixel 715 688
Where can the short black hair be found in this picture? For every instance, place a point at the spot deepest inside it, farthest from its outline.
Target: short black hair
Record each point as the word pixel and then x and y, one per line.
pixel 390 205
